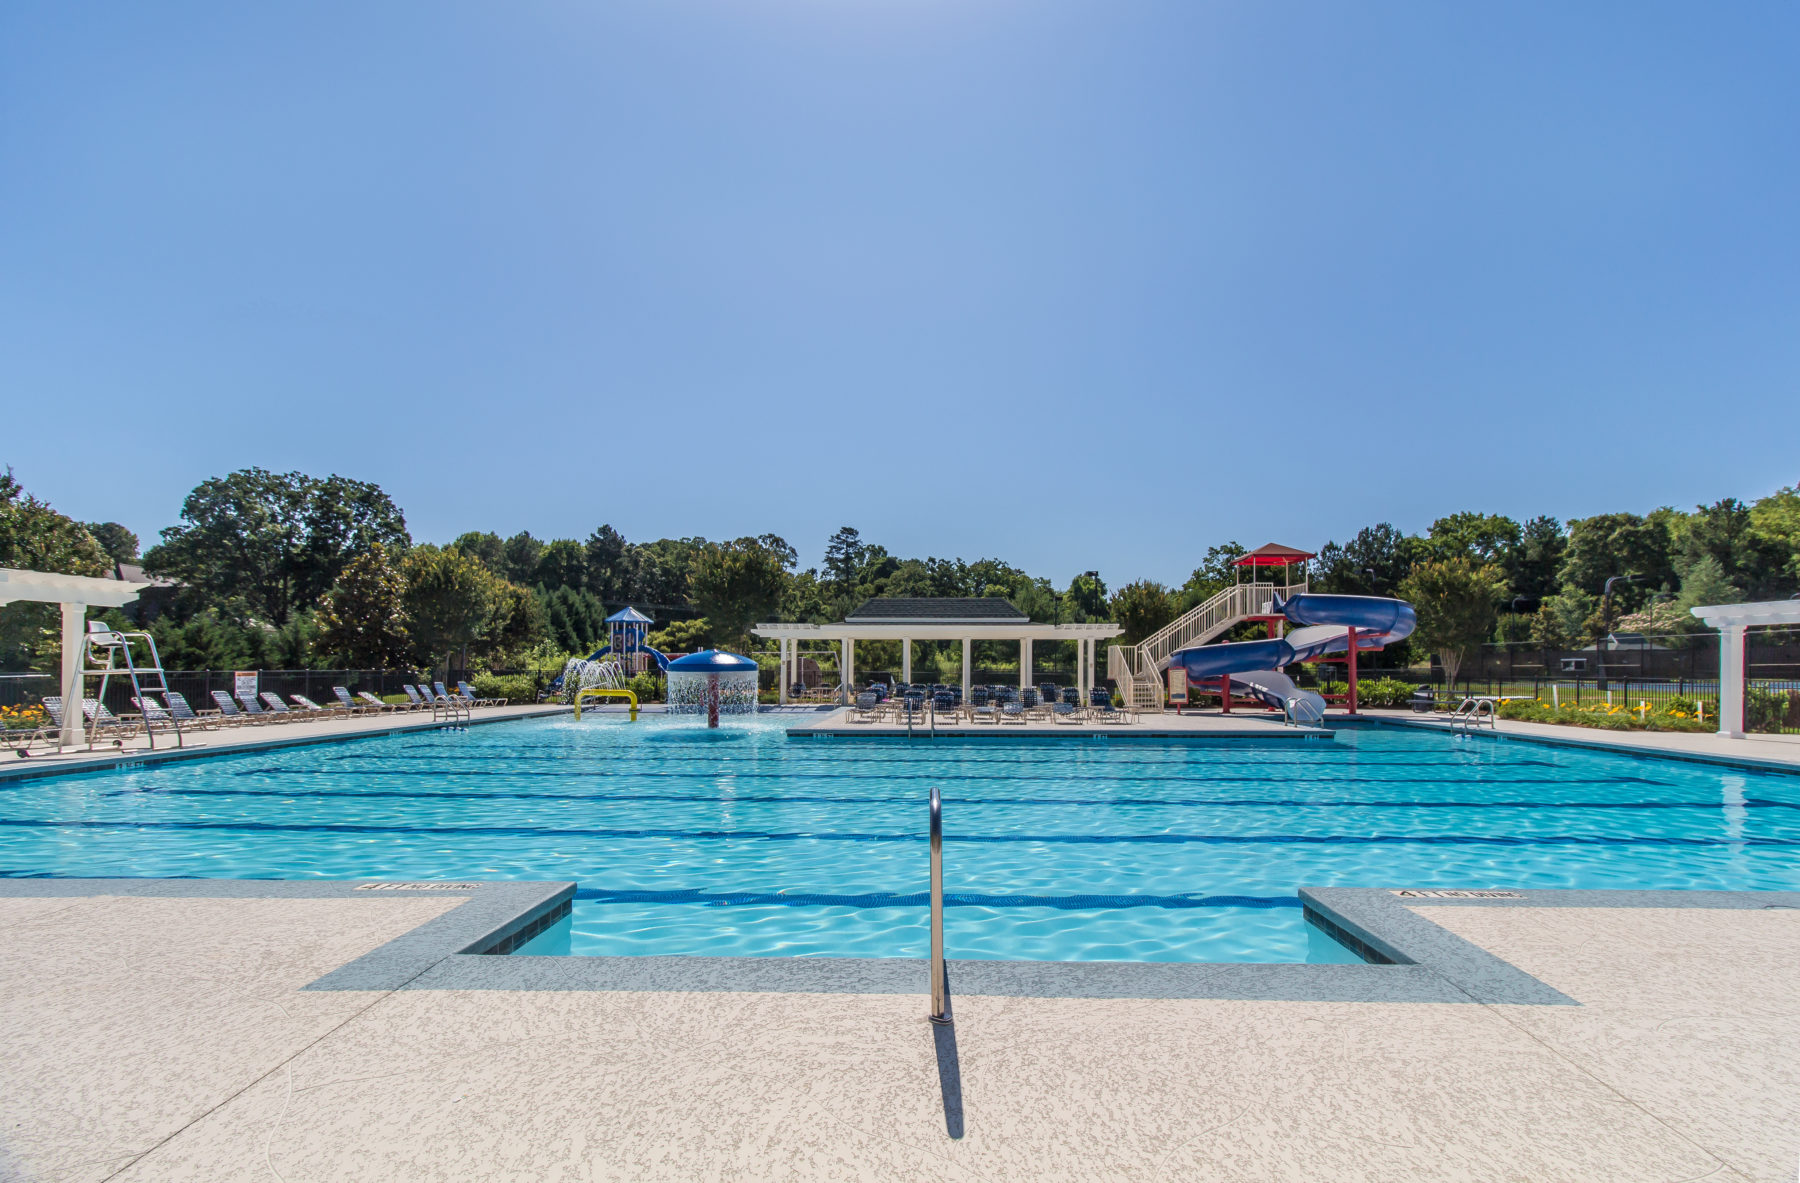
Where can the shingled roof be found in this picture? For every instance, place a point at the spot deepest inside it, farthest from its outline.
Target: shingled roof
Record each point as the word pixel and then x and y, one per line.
pixel 937 610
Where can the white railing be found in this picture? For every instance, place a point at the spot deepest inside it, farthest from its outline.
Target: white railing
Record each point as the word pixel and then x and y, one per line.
pixel 1138 669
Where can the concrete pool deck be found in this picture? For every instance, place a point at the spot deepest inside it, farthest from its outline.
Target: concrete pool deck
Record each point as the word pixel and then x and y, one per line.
pixel 1775 752
pixel 190 1035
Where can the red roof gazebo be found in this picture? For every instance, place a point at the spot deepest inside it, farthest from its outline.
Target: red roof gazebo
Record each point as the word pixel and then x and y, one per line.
pixel 1272 554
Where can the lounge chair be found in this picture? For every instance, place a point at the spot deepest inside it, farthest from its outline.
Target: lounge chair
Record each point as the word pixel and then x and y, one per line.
pixel 100 721
pixel 468 692
pixel 866 708
pixel 156 716
pixel 943 707
pixel 206 720
pixel 276 707
pixel 308 706
pixel 371 703
pixel 1013 711
pixel 1065 710
pixel 461 698
pixel 350 705
pixel 981 706
pixel 232 713
pixel 420 700
pixel 263 714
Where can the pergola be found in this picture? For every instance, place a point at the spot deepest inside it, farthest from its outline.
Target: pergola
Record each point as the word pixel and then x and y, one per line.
pixel 1731 620
pixel 76 594
pixel 907 620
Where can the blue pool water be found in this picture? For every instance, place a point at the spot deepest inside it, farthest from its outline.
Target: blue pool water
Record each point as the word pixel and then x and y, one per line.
pixel 740 841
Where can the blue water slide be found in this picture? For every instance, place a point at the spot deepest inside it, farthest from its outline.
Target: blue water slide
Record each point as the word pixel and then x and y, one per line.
pixel 1323 625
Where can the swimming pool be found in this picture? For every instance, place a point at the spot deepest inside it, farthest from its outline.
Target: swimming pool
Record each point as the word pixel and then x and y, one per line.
pixel 742 842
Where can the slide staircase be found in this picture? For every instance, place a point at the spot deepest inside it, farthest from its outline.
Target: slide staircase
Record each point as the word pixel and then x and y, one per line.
pixel 1137 670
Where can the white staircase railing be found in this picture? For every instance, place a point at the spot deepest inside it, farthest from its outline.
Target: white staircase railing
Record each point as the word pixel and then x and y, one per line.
pixel 1138 669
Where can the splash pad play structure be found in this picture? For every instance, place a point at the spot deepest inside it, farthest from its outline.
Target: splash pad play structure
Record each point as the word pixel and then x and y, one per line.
pixel 712 683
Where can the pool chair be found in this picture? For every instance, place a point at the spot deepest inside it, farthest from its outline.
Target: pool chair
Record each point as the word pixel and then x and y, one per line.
pixel 307 706
pixel 419 701
pixel 866 708
pixel 350 705
pixel 468 692
pixel 279 709
pixel 371 703
pixel 1013 711
pixel 1065 710
pixel 100 721
pixel 22 739
pixel 944 708
pixel 459 697
pixel 232 713
pixel 981 706
pixel 263 714
pixel 204 720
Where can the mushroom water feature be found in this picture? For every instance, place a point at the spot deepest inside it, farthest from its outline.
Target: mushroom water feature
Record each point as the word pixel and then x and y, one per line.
pixel 713 683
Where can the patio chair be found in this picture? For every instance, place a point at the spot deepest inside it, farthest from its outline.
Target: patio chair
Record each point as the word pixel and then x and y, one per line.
pixel 468 692
pixel 943 706
pixel 981 706
pixel 205 720
pixel 308 706
pixel 232 713
pixel 454 699
pixel 1065 710
pixel 371 703
pixel 419 701
pixel 156 716
pixel 1013 711
pixel 350 705
pixel 866 708
pixel 104 722
pixel 278 708
pixel 261 713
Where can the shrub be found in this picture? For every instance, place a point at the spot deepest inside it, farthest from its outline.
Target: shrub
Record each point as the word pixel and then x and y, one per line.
pixel 514 688
pixel 1606 718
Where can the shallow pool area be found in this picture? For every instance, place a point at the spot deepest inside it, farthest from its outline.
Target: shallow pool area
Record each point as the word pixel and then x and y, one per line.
pixel 742 842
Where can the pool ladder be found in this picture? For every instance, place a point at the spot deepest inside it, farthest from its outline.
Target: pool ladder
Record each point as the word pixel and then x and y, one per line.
pixel 939 1010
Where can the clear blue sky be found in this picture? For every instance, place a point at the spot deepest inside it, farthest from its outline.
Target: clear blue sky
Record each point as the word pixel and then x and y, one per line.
pixel 1072 284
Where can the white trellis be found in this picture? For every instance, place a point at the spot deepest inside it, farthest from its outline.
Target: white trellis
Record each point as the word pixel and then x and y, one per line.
pixel 76 594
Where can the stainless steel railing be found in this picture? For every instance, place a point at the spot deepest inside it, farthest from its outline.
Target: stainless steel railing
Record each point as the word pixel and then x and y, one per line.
pixel 939 1013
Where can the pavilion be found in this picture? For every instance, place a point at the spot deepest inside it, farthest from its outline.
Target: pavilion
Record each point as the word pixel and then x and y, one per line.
pixel 76 594
pixel 1732 620
pixel 942 618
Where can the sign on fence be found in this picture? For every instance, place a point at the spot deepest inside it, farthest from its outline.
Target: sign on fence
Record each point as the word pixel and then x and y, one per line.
pixel 243 684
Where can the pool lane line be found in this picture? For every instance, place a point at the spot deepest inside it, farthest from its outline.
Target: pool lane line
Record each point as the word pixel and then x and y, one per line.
pixel 716 799
pixel 723 774
pixel 919 899
pixel 810 836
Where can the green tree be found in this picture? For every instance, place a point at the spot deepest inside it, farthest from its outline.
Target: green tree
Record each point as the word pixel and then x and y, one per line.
pixel 735 584
pixel 1484 537
pixel 1562 619
pixel 574 618
pixel 1776 520
pixel 1141 608
pixel 37 538
pixel 1532 570
pixel 271 542
pixel 1086 596
pixel 484 547
pixel 563 564
pixel 607 555
pixel 201 642
pixel 1371 564
pixel 522 555
pixel 362 619
pixel 120 544
pixel 1455 600
pixel 450 602
pixel 845 552
pixel 1214 574
pixel 1611 544
pixel 1705 582
pixel 518 623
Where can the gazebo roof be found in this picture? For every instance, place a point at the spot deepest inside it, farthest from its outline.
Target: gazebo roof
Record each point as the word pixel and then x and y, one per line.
pixel 937 610
pixel 1272 554
pixel 628 615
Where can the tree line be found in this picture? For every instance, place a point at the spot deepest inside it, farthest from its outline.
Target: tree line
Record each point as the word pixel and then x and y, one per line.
pixel 287 570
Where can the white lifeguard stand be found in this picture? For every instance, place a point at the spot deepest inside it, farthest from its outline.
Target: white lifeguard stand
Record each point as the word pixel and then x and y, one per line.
pixel 76 594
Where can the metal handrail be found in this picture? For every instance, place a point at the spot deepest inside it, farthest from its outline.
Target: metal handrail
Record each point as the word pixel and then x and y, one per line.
pixel 939 1014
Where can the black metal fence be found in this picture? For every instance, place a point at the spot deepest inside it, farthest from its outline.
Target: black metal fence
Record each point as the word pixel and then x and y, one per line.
pixel 197 685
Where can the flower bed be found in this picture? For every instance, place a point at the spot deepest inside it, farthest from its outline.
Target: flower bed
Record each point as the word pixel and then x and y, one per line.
pixel 23 718
pixel 1681 714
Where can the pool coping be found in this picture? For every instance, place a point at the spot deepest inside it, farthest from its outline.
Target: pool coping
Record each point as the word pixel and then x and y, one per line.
pixel 1415 959
pixel 1590 742
pixel 104 761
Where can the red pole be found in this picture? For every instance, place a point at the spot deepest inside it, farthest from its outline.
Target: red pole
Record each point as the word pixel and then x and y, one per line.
pixel 712 701
pixel 1225 693
pixel 1350 655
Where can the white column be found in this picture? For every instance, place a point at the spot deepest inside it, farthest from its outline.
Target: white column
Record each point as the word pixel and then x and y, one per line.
pixel 1084 666
pixel 74 618
pixel 968 666
pixel 1024 662
pixel 782 697
pixel 849 667
pixel 1731 680
pixel 906 660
